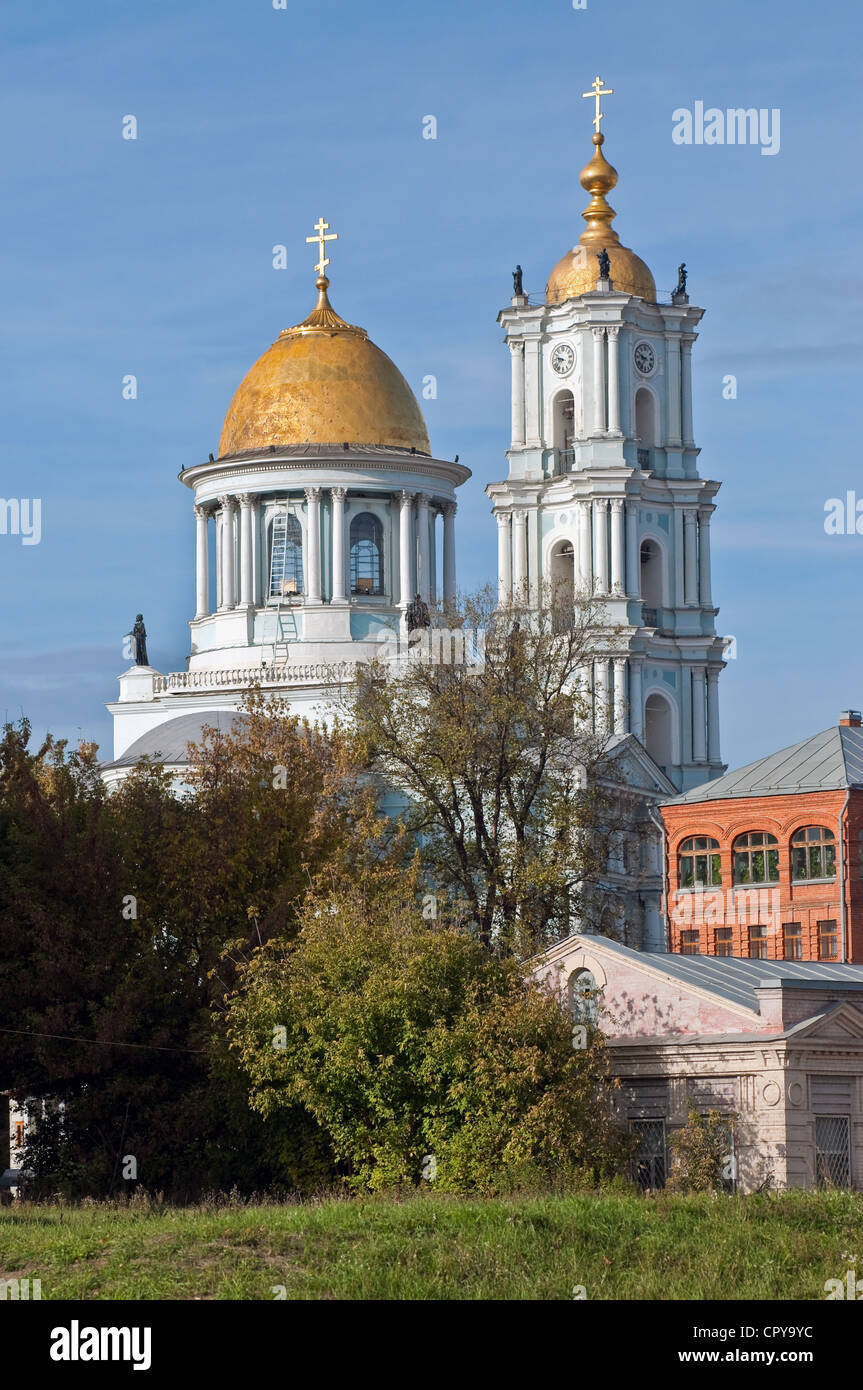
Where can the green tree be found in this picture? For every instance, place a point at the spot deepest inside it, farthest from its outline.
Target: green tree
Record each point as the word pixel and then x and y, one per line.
pixel 407 1038
pixel 120 917
pixel 700 1152
pixel 509 792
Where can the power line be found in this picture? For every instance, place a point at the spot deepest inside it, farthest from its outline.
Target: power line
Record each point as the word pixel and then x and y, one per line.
pixel 98 1042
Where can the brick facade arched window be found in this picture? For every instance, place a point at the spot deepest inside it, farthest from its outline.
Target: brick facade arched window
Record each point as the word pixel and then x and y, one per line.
pixel 698 864
pixel 813 853
pixel 756 857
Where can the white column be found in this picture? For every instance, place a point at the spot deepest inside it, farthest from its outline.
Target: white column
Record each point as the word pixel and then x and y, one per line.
pixel 259 560
pixel 424 578
pixel 678 557
pixel 517 354
pixel 449 581
pixel 229 598
pixel 690 556
pixel 584 713
pixel 598 381
pixel 313 545
pixel 699 715
pixel 704 557
pixel 672 390
pixel 246 573
pixel 405 547
pixel 202 564
pixel 600 545
pixel 519 545
pixel 633 555
pixel 504 558
pixel 337 501
pixel 620 694
pixel 713 754
pixel 686 342
pixel 600 689
pixel 585 558
pixel 219 531
pixel 636 697
pixel 433 584
pixel 613 382
pixel 532 390
pixel 617 545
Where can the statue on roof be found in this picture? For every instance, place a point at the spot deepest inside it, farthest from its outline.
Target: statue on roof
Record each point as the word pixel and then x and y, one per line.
pixel 139 633
pixel 681 279
pixel 417 616
pixel 604 264
pixel 517 285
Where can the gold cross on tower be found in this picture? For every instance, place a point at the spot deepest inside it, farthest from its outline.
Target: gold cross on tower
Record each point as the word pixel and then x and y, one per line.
pixel 321 228
pixel 598 91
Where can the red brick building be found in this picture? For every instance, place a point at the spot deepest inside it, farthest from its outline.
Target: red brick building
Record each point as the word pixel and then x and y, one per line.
pixel 767 862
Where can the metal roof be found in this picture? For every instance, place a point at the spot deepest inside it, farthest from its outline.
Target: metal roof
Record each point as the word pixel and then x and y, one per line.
pixel 828 761
pixel 736 979
pixel 168 742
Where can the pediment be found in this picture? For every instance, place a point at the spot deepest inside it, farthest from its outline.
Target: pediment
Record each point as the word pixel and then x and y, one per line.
pixel 843 1022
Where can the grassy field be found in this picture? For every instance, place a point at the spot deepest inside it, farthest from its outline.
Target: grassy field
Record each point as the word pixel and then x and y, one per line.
pixel 436 1247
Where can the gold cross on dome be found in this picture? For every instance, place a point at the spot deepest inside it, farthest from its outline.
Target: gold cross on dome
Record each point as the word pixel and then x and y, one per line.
pixel 598 91
pixel 321 229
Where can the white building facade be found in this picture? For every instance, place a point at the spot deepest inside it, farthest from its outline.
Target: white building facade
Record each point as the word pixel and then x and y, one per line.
pixel 324 515
pixel 603 494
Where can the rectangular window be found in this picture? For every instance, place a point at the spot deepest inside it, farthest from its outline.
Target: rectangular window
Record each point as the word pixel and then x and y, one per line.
pixel 828 941
pixel 724 941
pixel 689 941
pixel 758 943
pixel 649 1161
pixel 832 1150
pixel 792 941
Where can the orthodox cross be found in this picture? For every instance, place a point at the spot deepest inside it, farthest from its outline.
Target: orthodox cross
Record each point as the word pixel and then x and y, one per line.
pixel 321 229
pixel 598 91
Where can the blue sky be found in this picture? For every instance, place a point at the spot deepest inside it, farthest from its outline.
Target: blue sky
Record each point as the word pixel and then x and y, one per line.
pixel 153 257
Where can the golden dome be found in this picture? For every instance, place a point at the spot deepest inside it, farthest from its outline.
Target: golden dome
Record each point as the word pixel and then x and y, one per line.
pixel 578 271
pixel 323 382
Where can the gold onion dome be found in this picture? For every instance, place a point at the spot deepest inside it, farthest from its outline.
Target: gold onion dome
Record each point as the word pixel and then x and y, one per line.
pixel 578 271
pixel 323 382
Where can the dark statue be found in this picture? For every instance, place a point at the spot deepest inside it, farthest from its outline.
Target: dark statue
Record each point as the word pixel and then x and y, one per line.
pixel 417 615
pixel 517 286
pixel 604 264
pixel 139 632
pixel 681 279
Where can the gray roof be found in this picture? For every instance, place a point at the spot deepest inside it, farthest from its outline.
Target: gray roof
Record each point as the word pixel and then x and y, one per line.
pixel 736 979
pixel 168 742
pixel 826 762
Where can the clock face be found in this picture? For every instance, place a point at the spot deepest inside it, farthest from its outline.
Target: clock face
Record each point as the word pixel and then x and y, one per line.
pixel 645 358
pixel 563 359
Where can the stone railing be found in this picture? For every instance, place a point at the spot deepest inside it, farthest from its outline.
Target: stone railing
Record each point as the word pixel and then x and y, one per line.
pixel 243 677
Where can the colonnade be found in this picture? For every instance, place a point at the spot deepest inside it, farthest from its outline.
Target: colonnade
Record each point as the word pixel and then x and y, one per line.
pixel 240 541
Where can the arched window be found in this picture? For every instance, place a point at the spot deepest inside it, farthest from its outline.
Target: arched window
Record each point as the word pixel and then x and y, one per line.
pixel 564 419
pixel 659 731
pixel 651 577
pixel 813 853
pixel 645 418
pixel 755 859
pixel 367 555
pixel 286 556
pixel 584 997
pixel 562 585
pixel 698 864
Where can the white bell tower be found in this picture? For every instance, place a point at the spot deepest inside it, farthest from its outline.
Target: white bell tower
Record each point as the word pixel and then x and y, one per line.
pixel 603 490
